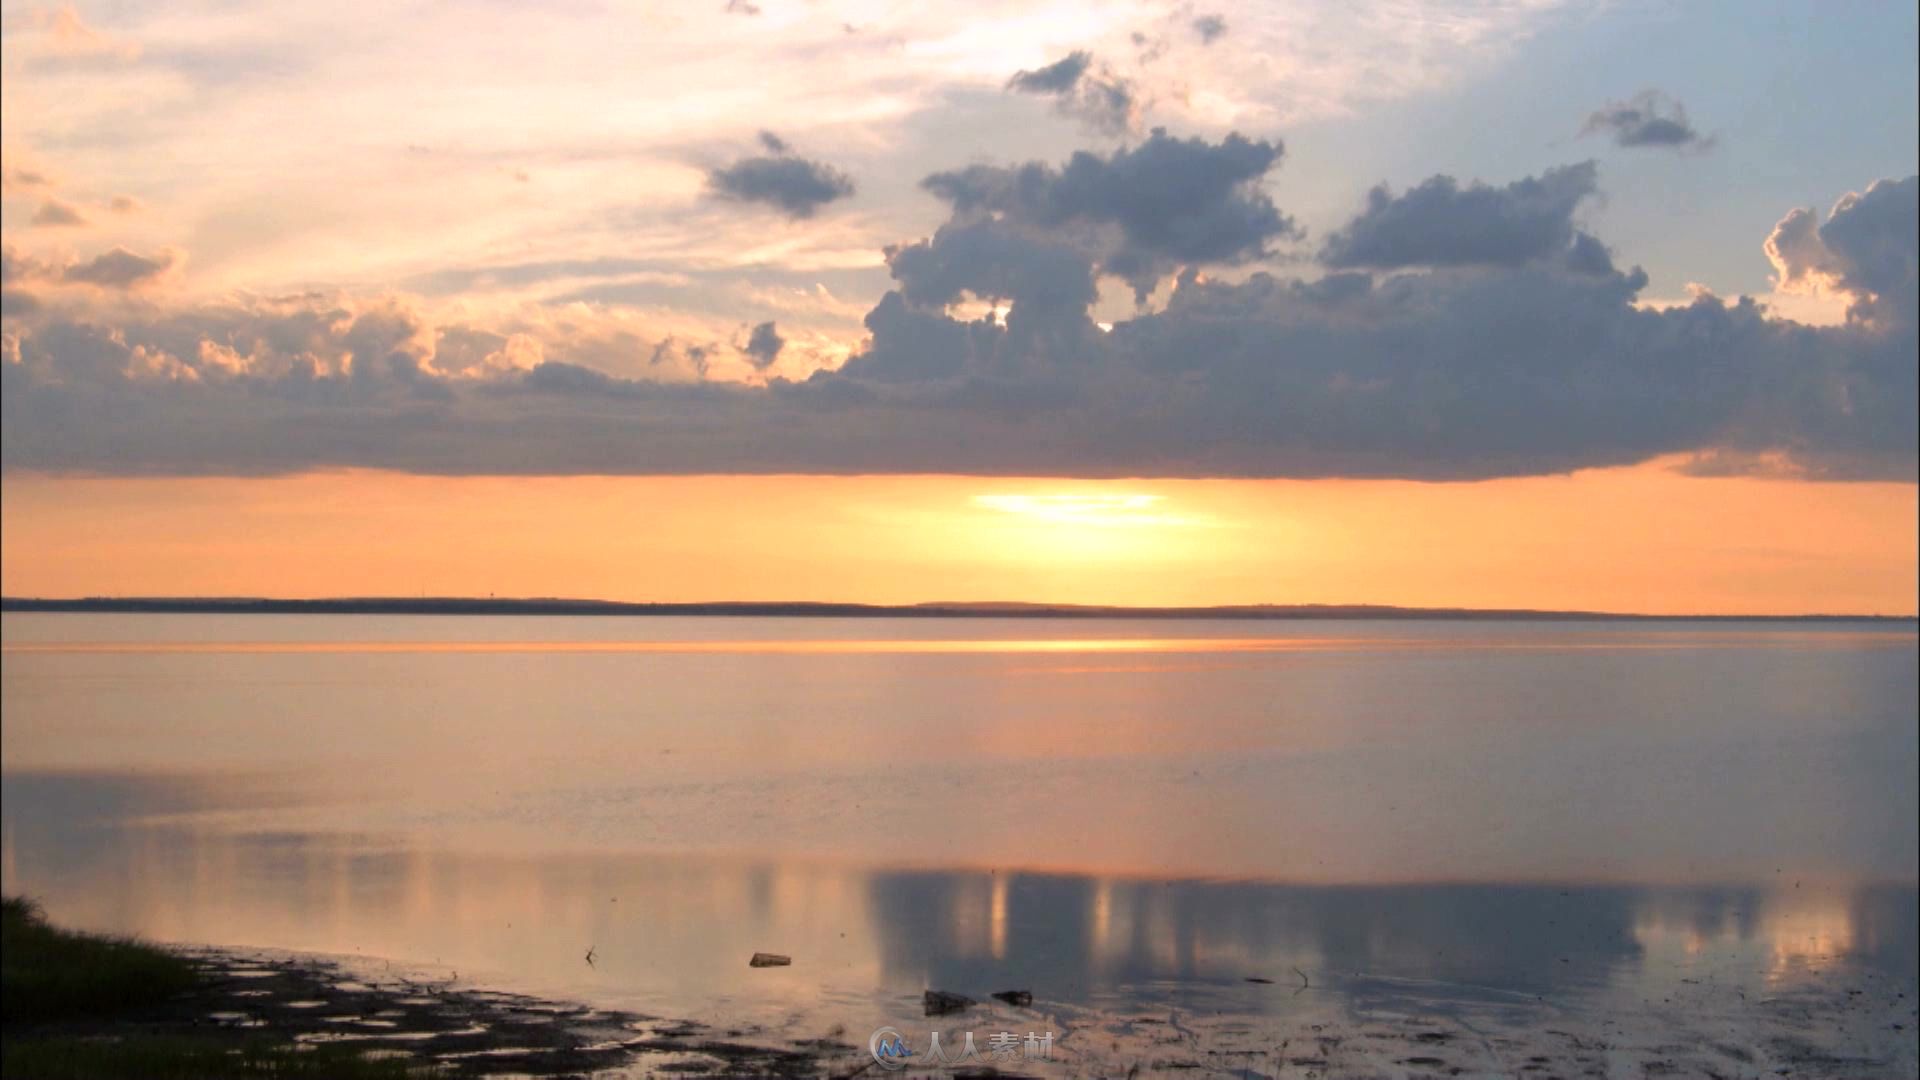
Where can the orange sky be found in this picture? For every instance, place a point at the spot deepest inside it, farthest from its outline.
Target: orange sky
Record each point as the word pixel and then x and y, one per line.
pixel 1639 539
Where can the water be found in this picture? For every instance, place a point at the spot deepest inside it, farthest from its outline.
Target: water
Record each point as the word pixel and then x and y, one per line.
pixel 1118 815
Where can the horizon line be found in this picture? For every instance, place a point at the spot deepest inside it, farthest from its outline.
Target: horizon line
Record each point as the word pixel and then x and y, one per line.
pixel 539 605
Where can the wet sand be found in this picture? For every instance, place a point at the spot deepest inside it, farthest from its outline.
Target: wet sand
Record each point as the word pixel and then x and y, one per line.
pixel 1840 1022
pixel 309 1000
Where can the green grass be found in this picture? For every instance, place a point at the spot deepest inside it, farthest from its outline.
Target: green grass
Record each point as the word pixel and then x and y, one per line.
pixel 51 974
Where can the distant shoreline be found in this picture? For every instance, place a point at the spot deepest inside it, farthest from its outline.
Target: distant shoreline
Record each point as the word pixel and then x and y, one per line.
pixel 809 609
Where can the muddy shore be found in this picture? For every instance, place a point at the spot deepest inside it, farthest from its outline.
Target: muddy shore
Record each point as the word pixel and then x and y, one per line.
pixel 1853 1027
pixel 308 1000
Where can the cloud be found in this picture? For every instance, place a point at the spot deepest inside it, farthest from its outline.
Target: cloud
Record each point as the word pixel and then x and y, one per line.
pixel 13 178
pixel 794 185
pixel 1098 98
pixel 119 269
pixel 1056 78
pixel 16 268
pixel 742 7
pixel 1648 119
pixel 58 214
pixel 764 345
pixel 1439 223
pixel 1865 250
pixel 1144 211
pixel 1518 358
pixel 1211 28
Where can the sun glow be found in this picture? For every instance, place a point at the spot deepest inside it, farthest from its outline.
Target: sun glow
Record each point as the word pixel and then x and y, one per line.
pixel 1648 538
pixel 1101 511
pixel 1082 529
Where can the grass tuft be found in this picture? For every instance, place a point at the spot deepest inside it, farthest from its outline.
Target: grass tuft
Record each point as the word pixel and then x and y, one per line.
pixel 59 985
pixel 51 974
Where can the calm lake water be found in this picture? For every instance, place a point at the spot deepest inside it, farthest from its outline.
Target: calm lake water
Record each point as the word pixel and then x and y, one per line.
pixel 1115 814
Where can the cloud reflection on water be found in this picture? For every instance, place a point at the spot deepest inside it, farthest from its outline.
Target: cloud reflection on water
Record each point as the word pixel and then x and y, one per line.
pixel 676 929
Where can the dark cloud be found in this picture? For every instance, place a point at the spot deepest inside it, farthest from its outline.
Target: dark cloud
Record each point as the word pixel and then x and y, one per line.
pixel 18 302
pixel 1439 223
pixel 794 185
pixel 674 353
pixel 115 269
pixel 58 214
pixel 1145 211
pixel 1211 28
pixel 1097 97
pixel 1056 78
pixel 742 7
pixel 1535 358
pixel 1648 119
pixel 764 345
pixel 119 269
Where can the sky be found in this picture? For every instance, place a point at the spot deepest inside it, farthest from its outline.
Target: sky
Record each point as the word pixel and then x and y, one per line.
pixel 1491 303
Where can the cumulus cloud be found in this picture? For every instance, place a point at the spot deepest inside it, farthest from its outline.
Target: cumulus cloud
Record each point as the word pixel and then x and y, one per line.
pixel 1648 119
pixel 779 178
pixel 1091 93
pixel 1440 223
pixel 1515 359
pixel 1865 250
pixel 1143 212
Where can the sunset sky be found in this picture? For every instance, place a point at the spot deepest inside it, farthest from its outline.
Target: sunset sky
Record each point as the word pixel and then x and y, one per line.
pixel 1496 303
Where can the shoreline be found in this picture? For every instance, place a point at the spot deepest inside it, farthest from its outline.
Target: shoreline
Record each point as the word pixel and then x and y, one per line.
pixel 1837 1020
pixel 311 1001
